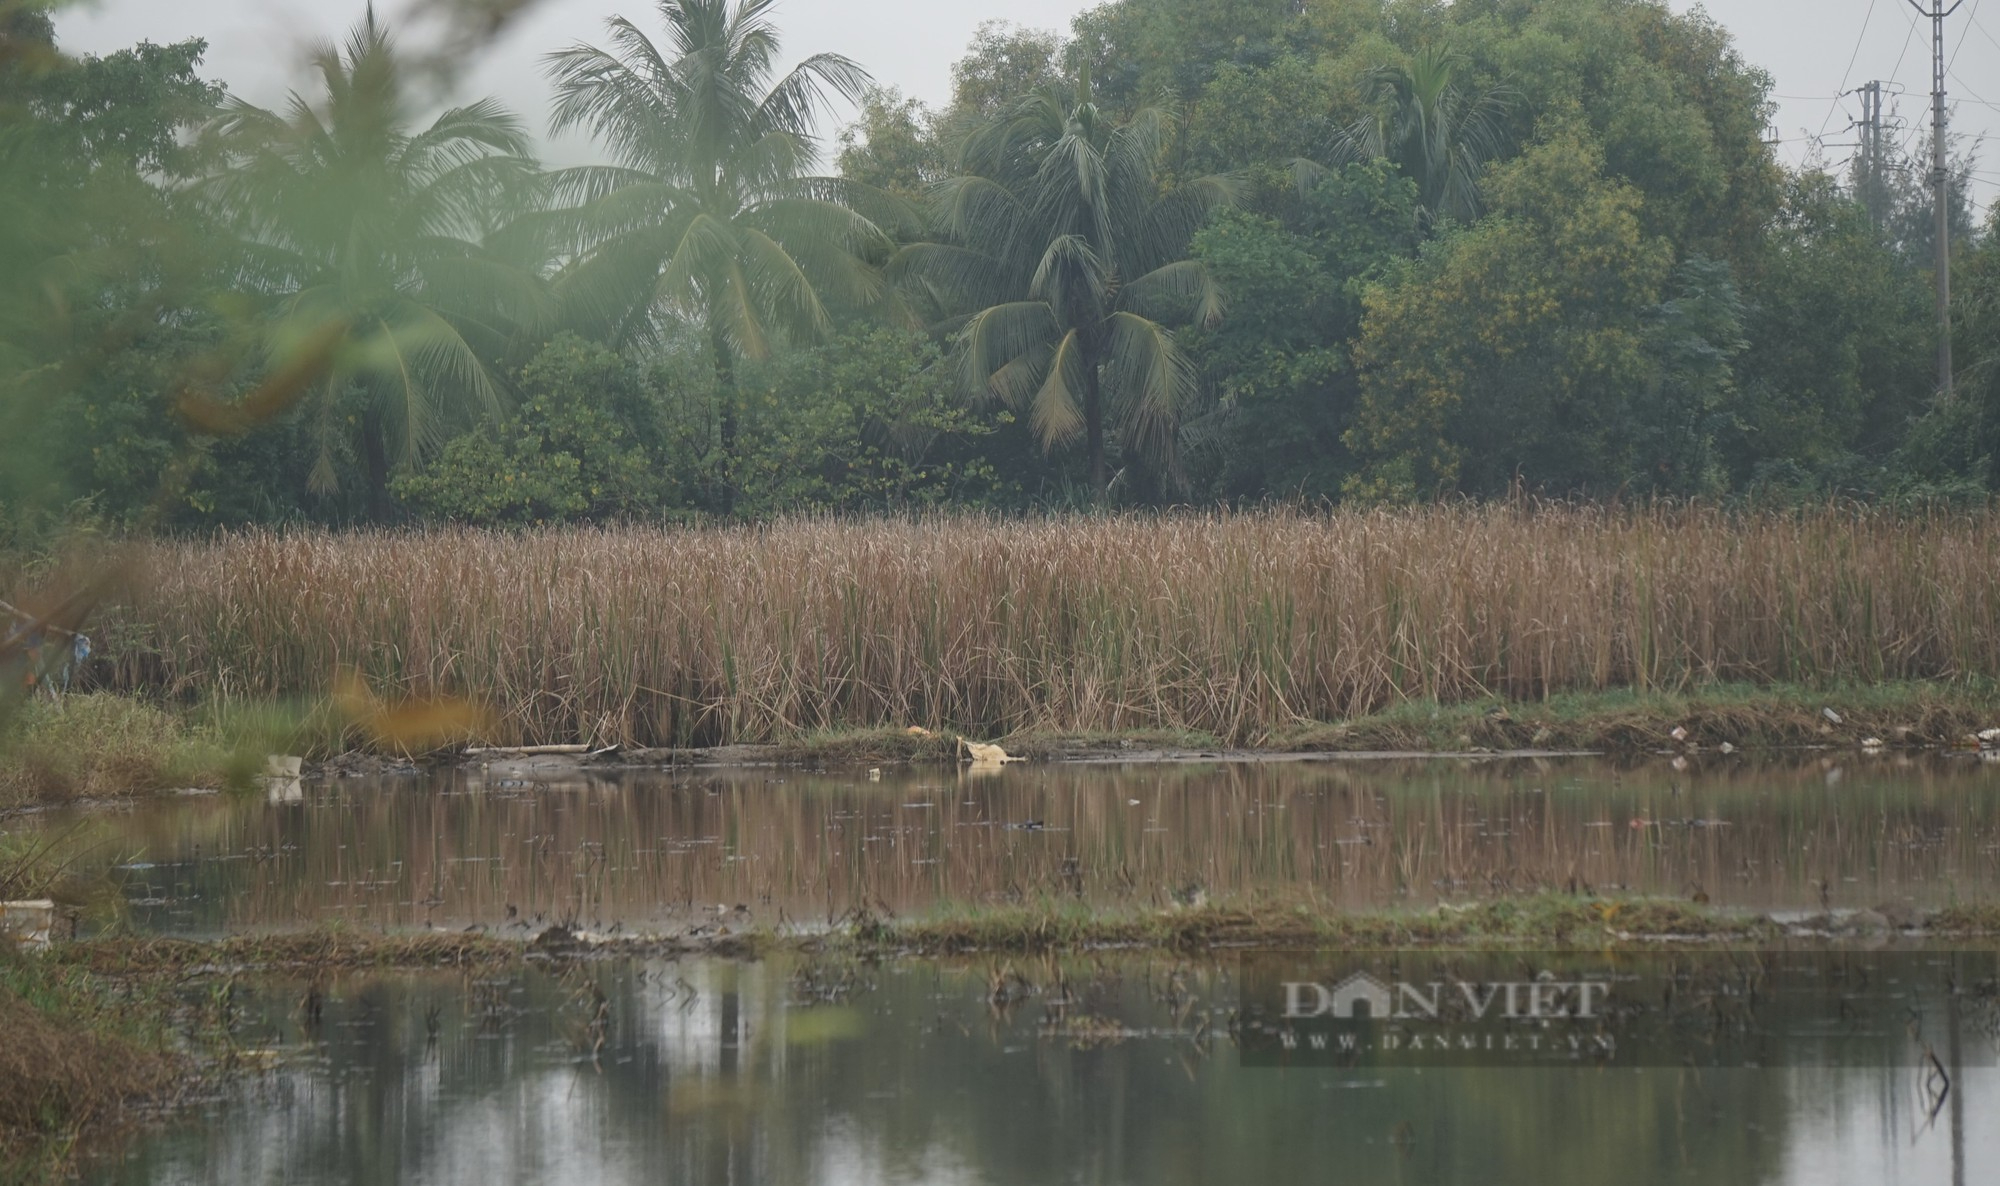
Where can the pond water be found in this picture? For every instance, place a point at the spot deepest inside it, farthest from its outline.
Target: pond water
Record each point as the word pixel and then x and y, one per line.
pixel 788 1072
pixel 1104 1069
pixel 652 850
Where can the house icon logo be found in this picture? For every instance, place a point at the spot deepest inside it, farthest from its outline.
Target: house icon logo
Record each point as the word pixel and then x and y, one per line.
pixel 1360 996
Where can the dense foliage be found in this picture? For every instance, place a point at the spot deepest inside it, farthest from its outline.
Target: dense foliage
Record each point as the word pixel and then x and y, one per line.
pixel 1188 251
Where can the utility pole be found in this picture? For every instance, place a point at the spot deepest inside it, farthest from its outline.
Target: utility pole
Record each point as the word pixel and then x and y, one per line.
pixel 1868 175
pixel 1941 184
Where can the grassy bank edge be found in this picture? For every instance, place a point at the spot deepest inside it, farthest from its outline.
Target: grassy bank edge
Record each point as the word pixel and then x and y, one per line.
pixel 1903 715
pixel 104 746
pixel 1544 922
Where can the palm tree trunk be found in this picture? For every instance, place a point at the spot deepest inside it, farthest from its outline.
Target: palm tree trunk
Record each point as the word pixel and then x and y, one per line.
pixel 1093 427
pixel 375 452
pixel 725 395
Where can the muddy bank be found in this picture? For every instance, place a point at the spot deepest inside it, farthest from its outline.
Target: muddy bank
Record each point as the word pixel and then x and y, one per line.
pixel 1542 922
pixel 1720 720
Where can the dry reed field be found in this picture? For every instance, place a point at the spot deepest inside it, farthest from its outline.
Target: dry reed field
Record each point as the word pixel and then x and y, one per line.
pixel 1231 624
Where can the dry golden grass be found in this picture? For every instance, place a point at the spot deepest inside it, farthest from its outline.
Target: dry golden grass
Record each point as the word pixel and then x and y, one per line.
pixel 1230 624
pixel 73 1056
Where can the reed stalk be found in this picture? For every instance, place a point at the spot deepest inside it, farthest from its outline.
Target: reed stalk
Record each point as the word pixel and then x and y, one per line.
pixel 1231 624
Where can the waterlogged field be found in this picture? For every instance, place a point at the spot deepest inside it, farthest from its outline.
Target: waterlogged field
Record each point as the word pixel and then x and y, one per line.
pixel 1105 1067
pixel 1110 1069
pixel 666 851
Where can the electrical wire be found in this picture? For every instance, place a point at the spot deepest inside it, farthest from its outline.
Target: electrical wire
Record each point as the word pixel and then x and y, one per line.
pixel 1973 20
pixel 1907 39
pixel 1841 90
pixel 1971 15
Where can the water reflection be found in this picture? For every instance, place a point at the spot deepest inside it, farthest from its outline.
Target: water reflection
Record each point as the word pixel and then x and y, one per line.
pixel 781 1071
pixel 729 847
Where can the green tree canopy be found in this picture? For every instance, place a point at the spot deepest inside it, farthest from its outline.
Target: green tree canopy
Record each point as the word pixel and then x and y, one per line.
pixel 1280 359
pixel 1437 132
pixel 1512 347
pixel 101 275
pixel 711 213
pixel 365 235
pixel 894 146
pixel 1058 237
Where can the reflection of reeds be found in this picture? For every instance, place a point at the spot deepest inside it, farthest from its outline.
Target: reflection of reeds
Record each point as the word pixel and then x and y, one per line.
pixel 1228 624
pixel 730 849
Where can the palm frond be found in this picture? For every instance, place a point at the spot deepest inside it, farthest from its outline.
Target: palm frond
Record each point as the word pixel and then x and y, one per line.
pixel 1184 290
pixel 1057 414
pixel 997 337
pixel 798 100
pixel 978 210
pixel 1150 382
pixel 782 287
pixel 1071 277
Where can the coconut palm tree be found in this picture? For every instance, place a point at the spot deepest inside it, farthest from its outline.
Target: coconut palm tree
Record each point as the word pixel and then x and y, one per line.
pixel 711 213
pixel 1438 134
pixel 1060 239
pixel 366 236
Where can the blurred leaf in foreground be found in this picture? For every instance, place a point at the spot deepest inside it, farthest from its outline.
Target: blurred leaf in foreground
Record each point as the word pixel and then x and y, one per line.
pixel 411 725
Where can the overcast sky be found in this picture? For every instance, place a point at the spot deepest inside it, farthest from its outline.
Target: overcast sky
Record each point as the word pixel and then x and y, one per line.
pixel 1807 45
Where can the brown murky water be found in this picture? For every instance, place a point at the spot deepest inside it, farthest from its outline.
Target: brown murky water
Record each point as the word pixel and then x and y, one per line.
pixel 663 849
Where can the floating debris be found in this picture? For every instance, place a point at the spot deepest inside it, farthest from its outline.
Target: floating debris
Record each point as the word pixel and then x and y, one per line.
pixel 31 923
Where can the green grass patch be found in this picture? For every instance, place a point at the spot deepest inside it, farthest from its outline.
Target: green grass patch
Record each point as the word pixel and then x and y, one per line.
pixel 1547 920
pixel 104 745
pixel 1906 713
pixel 330 948
pixel 101 745
pixel 1972 920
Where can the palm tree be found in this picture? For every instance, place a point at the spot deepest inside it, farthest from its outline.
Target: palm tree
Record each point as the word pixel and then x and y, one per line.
pixel 369 237
pixel 710 213
pixel 1059 236
pixel 1436 133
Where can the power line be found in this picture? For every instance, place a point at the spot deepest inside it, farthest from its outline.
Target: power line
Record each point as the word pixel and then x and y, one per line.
pixel 1968 90
pixel 1974 21
pixel 1964 33
pixel 1907 39
pixel 1848 73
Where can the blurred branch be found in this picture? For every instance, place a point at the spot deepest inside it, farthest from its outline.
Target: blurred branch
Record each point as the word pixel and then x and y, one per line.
pixel 469 26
